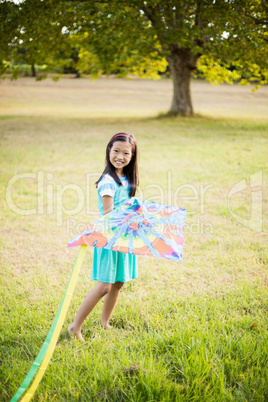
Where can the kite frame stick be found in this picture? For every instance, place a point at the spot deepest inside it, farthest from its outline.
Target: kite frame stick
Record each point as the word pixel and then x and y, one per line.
pixel 42 360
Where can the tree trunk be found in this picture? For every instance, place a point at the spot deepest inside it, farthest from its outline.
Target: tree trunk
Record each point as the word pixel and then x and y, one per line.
pixel 33 71
pixel 181 63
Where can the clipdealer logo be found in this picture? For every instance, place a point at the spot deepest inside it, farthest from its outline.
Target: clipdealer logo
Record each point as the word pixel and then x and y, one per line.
pixel 48 198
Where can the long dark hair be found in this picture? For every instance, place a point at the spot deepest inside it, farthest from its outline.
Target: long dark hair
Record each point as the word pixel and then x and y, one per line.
pixel 131 170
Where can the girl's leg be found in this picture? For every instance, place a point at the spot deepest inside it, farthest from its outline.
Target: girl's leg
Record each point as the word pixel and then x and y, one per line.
pixel 109 303
pixel 89 302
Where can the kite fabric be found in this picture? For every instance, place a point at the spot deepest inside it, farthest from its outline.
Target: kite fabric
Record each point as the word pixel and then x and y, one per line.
pixel 138 227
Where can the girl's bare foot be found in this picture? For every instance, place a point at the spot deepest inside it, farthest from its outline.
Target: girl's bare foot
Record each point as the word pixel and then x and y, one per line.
pixel 74 333
pixel 106 325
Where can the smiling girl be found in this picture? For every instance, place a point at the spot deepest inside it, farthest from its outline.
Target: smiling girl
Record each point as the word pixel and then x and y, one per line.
pixel 111 269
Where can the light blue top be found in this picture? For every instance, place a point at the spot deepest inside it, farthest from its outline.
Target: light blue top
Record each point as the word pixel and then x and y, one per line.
pixel 108 186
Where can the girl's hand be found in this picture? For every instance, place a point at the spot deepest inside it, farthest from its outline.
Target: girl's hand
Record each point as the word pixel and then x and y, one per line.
pixel 108 204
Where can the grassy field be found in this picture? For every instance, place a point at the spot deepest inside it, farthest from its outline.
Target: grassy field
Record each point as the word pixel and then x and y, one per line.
pixel 191 331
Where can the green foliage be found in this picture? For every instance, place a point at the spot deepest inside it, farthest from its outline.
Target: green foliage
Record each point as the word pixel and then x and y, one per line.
pixel 215 72
pixel 109 38
pixel 32 34
pixel 9 30
pixel 239 50
pixel 136 38
pixel 24 70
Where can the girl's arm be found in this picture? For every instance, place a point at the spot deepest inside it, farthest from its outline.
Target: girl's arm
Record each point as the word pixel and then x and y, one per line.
pixel 108 204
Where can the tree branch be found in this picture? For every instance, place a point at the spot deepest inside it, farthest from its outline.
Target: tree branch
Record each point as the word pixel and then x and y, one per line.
pixel 264 10
pixel 263 38
pixel 258 21
pixel 151 16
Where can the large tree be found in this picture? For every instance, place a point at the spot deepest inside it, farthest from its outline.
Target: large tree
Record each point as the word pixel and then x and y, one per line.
pixel 229 37
pixel 222 31
pixel 225 39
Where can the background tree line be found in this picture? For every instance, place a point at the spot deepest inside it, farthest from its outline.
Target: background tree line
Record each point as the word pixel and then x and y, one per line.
pixel 225 39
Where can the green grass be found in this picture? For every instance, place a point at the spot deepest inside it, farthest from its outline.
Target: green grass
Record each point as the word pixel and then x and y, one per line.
pixel 182 331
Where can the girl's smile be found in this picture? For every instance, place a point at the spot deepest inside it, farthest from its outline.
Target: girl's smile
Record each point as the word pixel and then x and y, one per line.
pixel 120 156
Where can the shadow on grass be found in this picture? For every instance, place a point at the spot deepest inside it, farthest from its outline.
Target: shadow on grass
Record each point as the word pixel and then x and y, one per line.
pixel 121 323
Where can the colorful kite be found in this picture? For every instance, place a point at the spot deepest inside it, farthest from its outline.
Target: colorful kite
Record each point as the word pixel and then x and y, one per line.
pixel 138 227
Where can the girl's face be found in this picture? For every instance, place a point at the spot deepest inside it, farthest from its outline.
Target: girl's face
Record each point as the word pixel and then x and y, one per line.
pixel 120 155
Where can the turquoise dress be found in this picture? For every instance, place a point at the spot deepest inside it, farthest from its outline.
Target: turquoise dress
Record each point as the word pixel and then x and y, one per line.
pixel 112 266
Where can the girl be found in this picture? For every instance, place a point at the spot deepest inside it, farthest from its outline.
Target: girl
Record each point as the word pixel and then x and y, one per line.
pixel 111 269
